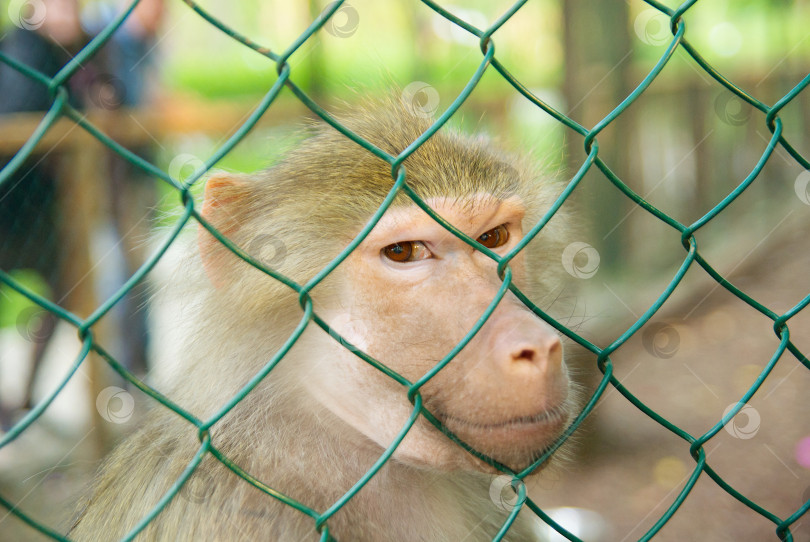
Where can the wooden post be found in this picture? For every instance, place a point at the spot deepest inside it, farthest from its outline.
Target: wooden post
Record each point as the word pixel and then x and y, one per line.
pixel 597 60
pixel 80 189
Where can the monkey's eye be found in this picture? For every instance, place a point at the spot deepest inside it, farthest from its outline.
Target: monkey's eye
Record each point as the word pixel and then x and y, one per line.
pixel 407 251
pixel 495 237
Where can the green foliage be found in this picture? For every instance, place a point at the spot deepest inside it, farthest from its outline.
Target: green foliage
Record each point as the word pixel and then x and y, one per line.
pixel 12 302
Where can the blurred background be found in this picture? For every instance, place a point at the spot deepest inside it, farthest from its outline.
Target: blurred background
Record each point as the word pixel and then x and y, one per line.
pixel 76 221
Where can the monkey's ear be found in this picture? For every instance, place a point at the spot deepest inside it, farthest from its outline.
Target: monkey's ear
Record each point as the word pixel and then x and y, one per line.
pixel 225 195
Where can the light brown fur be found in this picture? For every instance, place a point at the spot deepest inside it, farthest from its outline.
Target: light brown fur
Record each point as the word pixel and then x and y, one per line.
pixel 305 429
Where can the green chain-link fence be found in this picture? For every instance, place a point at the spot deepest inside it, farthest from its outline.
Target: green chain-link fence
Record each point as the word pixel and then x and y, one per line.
pixel 688 233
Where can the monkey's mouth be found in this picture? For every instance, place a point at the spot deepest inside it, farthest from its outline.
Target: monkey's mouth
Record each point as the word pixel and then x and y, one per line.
pixel 520 433
pixel 515 441
pixel 557 415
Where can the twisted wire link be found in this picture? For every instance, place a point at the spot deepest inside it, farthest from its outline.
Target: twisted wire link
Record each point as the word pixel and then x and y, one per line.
pixel 689 235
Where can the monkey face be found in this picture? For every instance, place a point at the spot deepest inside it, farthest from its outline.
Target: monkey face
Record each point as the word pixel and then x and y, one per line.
pixel 415 290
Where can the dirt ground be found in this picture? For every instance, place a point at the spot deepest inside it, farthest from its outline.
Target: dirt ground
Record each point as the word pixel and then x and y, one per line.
pixel 709 349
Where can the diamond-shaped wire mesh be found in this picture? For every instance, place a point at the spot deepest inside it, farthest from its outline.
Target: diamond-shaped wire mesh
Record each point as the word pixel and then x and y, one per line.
pixel 687 233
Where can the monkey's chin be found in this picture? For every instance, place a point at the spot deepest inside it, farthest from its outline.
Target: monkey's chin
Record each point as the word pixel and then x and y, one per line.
pixel 515 442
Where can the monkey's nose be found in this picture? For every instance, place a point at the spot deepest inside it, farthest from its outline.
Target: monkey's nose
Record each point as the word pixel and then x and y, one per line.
pixel 550 350
pixel 526 354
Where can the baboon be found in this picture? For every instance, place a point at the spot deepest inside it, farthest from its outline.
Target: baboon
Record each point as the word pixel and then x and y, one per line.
pixel 406 296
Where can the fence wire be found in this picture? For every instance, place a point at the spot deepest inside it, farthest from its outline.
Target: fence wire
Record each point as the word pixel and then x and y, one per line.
pixel 769 114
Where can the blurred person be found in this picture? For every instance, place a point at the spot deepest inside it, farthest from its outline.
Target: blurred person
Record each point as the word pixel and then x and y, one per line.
pixel 128 63
pixel 29 211
pixel 29 199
